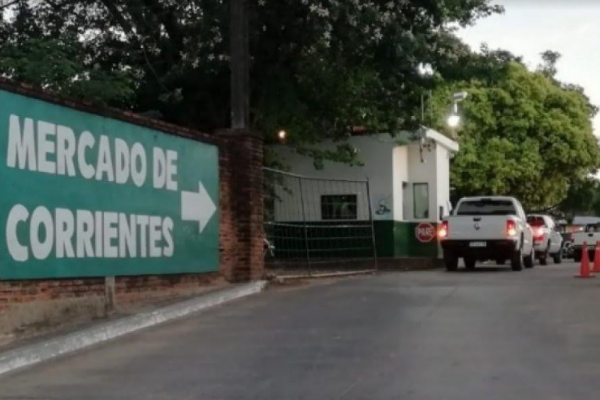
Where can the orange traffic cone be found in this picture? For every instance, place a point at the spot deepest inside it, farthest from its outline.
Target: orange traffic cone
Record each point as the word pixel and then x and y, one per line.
pixel 596 268
pixel 584 270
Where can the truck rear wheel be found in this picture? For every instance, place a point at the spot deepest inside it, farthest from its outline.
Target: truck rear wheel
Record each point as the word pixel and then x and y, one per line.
pixel 451 262
pixel 558 257
pixel 544 255
pixel 516 261
pixel 529 260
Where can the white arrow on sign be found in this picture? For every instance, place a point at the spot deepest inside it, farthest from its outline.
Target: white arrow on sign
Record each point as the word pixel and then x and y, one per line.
pixel 197 206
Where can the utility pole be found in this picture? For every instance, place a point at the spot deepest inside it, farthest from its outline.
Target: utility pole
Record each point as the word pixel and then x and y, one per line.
pixel 240 73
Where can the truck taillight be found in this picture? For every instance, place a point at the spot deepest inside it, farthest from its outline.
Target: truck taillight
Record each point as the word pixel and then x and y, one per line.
pixel 444 230
pixel 538 233
pixel 511 228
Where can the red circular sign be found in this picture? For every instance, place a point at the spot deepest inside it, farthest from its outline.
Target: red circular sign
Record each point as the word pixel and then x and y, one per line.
pixel 425 232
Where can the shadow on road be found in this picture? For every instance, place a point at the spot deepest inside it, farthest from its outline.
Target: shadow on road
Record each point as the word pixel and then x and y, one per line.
pixel 484 269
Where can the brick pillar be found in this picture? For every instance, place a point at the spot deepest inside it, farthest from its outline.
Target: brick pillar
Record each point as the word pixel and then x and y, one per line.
pixel 241 206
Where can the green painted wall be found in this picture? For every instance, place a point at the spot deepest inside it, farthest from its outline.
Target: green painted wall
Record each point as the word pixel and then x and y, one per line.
pixel 393 239
pixel 384 238
pixel 406 243
pixel 398 239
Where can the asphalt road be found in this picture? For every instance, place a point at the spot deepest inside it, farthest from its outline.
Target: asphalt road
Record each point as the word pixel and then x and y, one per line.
pixel 484 335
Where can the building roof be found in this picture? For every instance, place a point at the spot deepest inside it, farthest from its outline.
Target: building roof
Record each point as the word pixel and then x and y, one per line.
pixel 442 140
pixel 401 138
pixel 412 137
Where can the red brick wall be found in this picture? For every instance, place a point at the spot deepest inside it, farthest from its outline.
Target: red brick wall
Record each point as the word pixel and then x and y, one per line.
pixel 240 201
pixel 128 288
pixel 242 218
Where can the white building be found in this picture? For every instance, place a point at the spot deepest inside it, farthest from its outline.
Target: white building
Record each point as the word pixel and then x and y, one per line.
pixel 409 176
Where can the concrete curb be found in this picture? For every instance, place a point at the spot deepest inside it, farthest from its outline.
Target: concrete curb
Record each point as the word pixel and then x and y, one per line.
pixel 36 353
pixel 283 278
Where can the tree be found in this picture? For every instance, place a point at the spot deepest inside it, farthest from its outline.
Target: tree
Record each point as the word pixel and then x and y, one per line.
pixel 59 62
pixel 583 198
pixel 317 67
pixel 524 134
pixel 549 60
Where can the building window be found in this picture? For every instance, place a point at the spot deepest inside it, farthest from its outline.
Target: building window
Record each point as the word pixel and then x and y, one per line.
pixel 338 207
pixel 421 200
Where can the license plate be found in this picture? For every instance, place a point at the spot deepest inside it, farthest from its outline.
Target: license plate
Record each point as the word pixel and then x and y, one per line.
pixel 478 244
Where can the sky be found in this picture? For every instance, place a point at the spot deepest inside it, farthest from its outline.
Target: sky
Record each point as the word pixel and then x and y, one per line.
pixel 529 27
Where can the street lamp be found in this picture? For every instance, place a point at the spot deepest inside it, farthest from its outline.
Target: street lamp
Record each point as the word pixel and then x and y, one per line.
pixel 460 96
pixel 453 120
pixel 425 71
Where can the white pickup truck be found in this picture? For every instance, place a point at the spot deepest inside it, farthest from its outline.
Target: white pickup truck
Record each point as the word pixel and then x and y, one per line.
pixel 589 235
pixel 487 228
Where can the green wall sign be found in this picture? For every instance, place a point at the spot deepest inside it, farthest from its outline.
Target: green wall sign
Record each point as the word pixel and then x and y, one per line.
pixel 84 195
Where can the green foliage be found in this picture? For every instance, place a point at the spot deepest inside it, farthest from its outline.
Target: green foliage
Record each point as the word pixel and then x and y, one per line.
pixel 57 65
pixel 330 65
pixel 317 67
pixel 549 60
pixel 524 134
pixel 58 61
pixel 583 198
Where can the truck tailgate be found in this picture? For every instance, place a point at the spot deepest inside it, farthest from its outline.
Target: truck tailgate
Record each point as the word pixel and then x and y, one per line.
pixel 485 227
pixel 589 237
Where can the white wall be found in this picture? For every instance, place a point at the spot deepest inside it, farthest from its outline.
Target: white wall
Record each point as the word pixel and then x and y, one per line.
pixel 421 171
pixel 443 179
pixel 400 175
pixel 374 151
pixel 387 165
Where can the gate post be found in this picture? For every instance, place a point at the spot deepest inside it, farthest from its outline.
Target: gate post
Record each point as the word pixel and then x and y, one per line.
pixel 241 198
pixel 306 243
pixel 373 240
